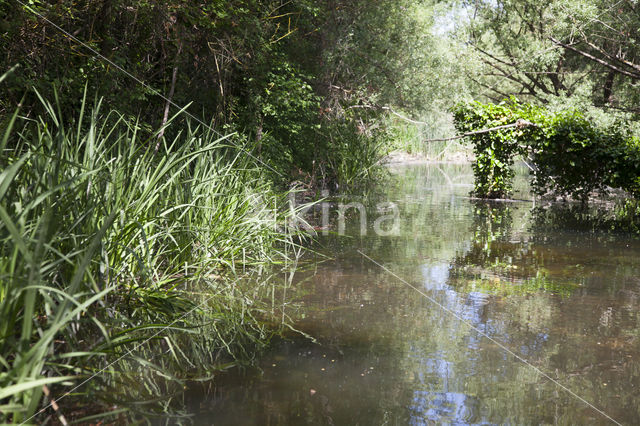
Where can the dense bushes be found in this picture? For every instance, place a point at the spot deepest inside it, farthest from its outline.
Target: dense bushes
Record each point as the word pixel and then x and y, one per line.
pixel 570 154
pixel 282 74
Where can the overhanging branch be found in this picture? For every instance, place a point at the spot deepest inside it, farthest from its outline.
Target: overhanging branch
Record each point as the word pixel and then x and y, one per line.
pixel 520 124
pixel 593 58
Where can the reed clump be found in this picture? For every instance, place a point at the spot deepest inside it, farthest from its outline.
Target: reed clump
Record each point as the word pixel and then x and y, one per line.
pixel 114 250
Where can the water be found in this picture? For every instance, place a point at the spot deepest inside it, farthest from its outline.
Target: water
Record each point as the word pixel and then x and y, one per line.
pixel 565 300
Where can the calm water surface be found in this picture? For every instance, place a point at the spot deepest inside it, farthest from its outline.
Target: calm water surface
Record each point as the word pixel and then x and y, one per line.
pixel 564 299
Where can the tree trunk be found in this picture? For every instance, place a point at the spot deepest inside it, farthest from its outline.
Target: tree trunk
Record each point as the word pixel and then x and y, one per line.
pixel 607 90
pixel 167 105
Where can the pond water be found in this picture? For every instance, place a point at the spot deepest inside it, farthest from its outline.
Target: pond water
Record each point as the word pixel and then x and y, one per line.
pixel 564 299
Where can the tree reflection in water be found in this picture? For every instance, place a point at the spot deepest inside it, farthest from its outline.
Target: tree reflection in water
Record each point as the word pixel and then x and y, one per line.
pixel 567 300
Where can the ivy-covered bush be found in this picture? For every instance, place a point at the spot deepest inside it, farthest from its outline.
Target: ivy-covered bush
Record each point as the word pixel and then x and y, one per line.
pixel 494 151
pixel 571 155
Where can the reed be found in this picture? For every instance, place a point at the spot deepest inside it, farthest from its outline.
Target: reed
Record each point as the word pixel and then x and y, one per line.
pixel 104 241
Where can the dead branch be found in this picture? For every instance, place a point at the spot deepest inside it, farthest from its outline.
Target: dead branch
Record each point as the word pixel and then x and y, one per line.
pixel 593 58
pixel 55 406
pixel 520 124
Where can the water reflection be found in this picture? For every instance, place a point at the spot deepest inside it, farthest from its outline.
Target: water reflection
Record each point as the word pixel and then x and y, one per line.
pixel 565 299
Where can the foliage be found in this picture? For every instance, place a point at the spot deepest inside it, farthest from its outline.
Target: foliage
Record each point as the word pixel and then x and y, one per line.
pixel 98 212
pixel 287 109
pixel 104 240
pixel 285 75
pixel 571 155
pixel 494 151
pixel 544 50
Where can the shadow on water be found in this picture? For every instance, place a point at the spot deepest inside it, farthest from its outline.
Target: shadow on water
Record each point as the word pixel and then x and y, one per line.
pixel 563 297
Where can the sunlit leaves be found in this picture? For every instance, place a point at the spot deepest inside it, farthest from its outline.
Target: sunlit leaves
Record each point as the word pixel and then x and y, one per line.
pixel 572 155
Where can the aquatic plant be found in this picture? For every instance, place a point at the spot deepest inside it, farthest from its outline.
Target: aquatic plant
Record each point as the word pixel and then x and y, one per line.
pixel 112 249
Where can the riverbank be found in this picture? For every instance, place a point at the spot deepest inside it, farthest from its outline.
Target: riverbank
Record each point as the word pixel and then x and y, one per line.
pixel 124 257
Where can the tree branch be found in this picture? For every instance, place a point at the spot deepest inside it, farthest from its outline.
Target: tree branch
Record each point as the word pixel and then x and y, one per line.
pixel 165 115
pixel 593 58
pixel 520 124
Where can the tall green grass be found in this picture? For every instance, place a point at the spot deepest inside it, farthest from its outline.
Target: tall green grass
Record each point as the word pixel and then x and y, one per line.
pixel 111 251
pixel 416 139
pixel 354 156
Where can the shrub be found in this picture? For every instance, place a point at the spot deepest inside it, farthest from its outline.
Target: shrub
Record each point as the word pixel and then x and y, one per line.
pixel 571 155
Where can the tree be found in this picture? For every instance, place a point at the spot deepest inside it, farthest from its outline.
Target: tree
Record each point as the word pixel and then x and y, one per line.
pixel 291 78
pixel 545 50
